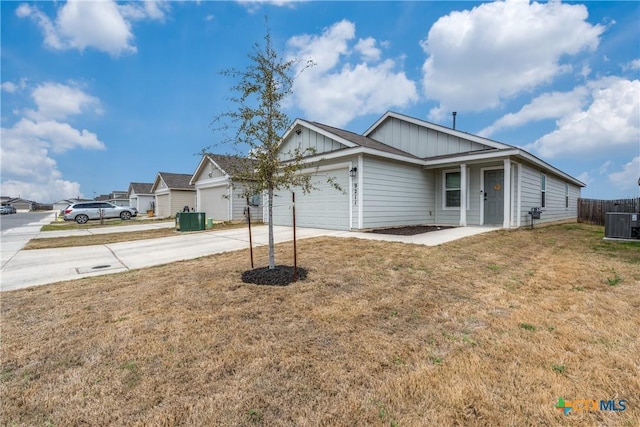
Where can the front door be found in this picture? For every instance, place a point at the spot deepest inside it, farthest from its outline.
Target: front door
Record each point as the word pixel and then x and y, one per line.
pixel 494 196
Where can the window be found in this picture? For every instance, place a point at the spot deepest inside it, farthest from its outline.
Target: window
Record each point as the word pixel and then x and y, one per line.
pixel 566 195
pixel 452 189
pixel 543 190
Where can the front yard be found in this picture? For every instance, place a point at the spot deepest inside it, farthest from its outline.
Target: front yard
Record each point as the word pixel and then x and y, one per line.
pixel 490 330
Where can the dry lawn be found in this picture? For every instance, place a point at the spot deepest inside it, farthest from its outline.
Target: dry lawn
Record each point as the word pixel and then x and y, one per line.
pixel 105 239
pixel 486 331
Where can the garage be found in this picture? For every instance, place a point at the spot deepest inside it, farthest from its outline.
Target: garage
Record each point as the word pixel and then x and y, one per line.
pixel 215 202
pixel 325 207
pixel 163 207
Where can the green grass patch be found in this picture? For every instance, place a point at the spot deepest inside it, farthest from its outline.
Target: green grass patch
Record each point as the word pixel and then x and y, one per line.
pixel 527 327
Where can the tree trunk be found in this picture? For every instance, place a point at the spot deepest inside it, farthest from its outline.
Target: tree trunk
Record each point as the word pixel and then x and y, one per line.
pixel 272 254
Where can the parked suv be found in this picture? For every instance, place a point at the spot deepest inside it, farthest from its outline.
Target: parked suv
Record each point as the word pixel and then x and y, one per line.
pixel 83 212
pixel 6 209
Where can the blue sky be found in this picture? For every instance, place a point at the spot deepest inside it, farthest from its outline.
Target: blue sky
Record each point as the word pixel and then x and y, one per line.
pixel 98 94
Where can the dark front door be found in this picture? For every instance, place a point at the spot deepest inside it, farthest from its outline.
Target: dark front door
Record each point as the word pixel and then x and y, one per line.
pixel 494 197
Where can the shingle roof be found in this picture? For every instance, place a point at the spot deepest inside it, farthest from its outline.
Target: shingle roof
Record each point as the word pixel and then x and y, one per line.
pixel 363 141
pixel 177 181
pixel 233 165
pixel 142 187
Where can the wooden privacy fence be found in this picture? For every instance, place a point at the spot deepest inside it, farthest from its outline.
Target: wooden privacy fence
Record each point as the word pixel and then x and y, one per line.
pixel 592 211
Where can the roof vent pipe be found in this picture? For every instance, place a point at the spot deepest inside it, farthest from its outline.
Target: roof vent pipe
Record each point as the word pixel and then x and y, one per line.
pixel 454 114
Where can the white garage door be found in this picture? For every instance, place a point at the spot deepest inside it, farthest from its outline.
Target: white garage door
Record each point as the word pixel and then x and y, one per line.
pixel 325 207
pixel 214 203
pixel 163 210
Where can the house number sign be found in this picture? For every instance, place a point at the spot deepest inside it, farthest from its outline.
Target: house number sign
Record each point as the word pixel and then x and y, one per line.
pixel 355 194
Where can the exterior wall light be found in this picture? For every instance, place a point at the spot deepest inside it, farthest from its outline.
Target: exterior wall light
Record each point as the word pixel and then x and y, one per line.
pixel 353 172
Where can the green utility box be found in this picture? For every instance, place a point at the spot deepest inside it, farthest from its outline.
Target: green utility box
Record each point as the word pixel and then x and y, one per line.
pixel 190 221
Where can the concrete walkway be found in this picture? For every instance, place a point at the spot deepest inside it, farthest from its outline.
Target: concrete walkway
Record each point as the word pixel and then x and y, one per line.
pixel 28 268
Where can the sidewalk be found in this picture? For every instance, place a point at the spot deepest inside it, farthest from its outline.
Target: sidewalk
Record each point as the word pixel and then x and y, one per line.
pixel 43 266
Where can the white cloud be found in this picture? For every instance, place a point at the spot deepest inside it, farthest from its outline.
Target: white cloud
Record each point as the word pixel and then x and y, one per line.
pixel 367 47
pixel 611 121
pixel 497 50
pixel 48 190
pixel 585 177
pixel 627 178
pixel 335 91
pixel 153 10
pixel 605 167
pixel 546 106
pixel 633 65
pixel 28 168
pixel 255 5
pixel 50 134
pixel 57 101
pixel 103 25
pixel 11 87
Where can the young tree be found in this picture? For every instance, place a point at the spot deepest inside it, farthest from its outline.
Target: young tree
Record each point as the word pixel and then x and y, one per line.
pixel 259 123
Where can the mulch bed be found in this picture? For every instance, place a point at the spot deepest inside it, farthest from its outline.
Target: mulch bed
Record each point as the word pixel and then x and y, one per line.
pixel 281 275
pixel 410 230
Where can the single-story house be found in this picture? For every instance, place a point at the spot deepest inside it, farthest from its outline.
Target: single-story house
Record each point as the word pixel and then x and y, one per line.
pixel 141 197
pixel 173 192
pixel 118 198
pixel 21 204
pixel 217 194
pixel 406 171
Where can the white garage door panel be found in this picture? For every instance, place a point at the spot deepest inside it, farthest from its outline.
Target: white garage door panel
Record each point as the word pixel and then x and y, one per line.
pixel 324 207
pixel 163 209
pixel 214 203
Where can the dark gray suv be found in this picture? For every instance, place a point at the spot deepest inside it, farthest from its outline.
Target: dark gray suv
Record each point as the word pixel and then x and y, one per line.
pixel 83 212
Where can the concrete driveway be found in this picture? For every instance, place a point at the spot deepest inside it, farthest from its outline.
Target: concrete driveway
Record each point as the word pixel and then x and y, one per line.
pixel 38 267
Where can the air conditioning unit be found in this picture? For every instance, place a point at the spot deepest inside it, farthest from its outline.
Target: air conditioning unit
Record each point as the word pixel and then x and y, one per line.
pixel 619 225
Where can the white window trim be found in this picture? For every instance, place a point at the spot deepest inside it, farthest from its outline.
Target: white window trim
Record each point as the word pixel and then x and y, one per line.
pixel 444 190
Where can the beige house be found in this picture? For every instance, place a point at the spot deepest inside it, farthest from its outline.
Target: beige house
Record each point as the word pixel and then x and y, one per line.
pixel 218 194
pixel 173 192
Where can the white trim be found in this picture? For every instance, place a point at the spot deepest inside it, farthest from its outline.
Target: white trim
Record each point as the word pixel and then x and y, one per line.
pixel 323 168
pixel 466 158
pixel 519 199
pixel 213 182
pixel 351 196
pixel 506 180
pixel 444 190
pixel 347 152
pixel 230 204
pixel 464 193
pixel 360 191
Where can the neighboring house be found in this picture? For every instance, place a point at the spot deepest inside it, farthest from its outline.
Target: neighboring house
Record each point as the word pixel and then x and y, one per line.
pixel 21 204
pixel 173 192
pixel 405 171
pixel 217 194
pixel 141 197
pixel 118 198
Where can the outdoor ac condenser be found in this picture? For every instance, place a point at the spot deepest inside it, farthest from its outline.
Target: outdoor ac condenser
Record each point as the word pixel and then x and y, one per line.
pixel 621 225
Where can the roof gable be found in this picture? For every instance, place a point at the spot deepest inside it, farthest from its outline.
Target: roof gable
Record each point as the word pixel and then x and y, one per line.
pixel 222 165
pixel 468 142
pixel 172 181
pixel 140 188
pixel 325 139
